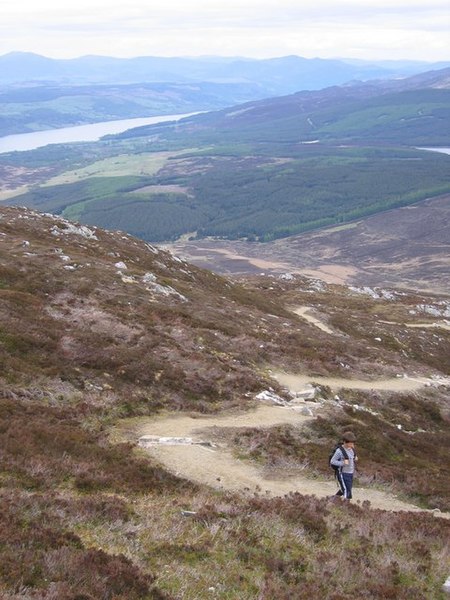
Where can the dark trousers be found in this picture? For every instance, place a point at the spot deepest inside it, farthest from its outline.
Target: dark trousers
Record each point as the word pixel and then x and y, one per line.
pixel 345 481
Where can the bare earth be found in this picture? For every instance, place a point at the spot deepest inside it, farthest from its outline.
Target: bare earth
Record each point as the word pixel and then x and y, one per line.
pixel 218 467
pixel 304 312
pixel 297 383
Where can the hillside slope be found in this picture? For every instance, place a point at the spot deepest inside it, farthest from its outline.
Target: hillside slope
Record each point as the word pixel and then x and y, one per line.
pixel 416 106
pixel 99 329
pixel 41 106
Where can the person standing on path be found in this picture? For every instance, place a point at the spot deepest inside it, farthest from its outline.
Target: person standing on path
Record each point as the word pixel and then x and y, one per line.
pixel 344 459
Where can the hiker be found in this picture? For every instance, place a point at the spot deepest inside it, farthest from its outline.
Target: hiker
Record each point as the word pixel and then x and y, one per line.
pixel 343 460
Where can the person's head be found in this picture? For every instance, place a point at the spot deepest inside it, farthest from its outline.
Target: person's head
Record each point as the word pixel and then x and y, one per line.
pixel 348 437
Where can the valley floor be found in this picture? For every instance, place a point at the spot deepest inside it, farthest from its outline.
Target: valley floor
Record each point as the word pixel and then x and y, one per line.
pixel 405 247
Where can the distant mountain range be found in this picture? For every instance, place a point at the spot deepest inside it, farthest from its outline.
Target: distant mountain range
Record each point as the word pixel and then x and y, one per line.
pixel 276 76
pixel 38 93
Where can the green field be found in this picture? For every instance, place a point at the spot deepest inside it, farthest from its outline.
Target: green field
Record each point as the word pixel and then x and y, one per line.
pixel 115 166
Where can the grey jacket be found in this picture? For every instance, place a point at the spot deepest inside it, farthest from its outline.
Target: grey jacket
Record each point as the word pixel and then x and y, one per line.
pixel 338 460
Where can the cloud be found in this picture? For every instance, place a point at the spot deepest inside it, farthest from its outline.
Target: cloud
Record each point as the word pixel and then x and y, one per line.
pixel 259 28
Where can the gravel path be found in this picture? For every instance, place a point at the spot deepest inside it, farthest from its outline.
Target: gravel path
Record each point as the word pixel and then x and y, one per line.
pixel 217 467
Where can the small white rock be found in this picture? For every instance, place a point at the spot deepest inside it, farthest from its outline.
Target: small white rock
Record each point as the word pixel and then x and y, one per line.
pixel 446 586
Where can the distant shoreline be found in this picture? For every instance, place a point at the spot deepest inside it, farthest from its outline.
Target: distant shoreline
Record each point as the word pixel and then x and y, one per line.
pixel 92 132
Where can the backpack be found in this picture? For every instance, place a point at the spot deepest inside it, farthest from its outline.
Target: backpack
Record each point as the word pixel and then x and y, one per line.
pixel 344 453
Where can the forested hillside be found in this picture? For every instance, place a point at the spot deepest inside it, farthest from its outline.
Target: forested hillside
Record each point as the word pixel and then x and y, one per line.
pixel 256 197
pixel 262 170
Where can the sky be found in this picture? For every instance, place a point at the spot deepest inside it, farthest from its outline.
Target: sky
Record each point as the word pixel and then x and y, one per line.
pixel 361 29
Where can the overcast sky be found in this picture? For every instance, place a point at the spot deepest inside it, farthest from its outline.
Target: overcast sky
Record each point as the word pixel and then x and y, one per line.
pixel 366 29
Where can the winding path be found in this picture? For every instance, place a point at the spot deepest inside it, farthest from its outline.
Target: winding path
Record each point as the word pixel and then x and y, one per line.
pixel 182 443
pixel 219 468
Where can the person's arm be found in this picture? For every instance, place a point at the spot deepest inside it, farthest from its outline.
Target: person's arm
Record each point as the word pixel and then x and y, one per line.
pixel 338 459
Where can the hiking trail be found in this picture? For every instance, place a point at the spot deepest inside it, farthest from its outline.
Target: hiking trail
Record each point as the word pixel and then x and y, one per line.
pixel 182 443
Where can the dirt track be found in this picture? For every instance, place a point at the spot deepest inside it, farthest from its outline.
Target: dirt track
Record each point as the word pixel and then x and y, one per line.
pixel 217 467
pixel 397 384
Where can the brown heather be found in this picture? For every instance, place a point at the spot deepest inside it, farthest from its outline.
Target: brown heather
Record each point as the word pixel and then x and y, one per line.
pixel 85 342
